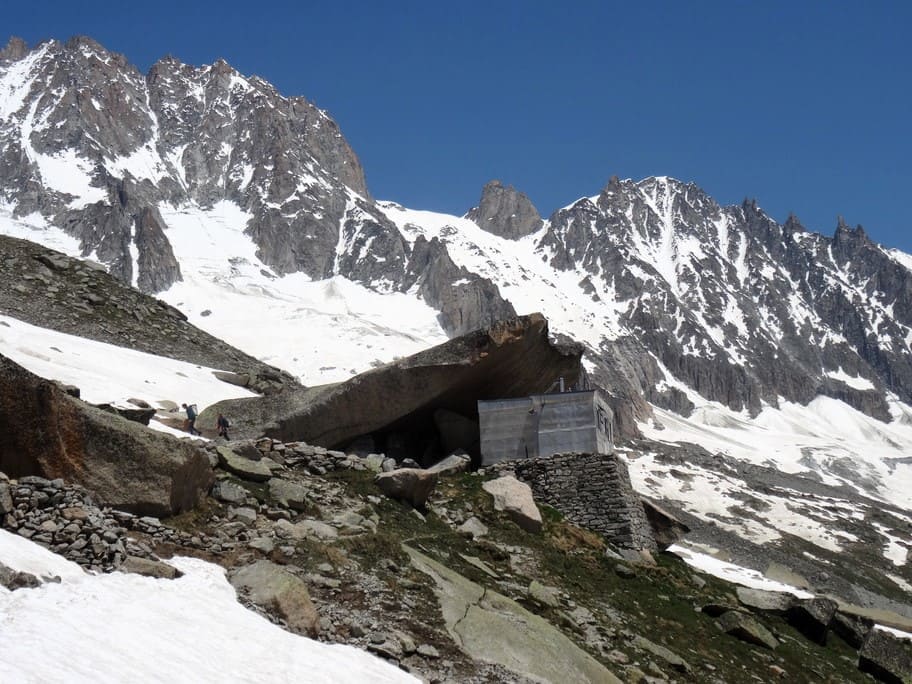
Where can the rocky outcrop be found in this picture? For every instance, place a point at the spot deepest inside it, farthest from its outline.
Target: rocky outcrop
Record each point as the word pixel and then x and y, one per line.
pixel 739 308
pixel 125 465
pixel 466 301
pixel 202 134
pixel 505 211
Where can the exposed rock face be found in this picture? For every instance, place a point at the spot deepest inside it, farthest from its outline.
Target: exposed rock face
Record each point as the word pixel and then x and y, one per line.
pixel 465 300
pixel 738 307
pixel 197 136
pixel 124 465
pixel 398 401
pixel 203 135
pixel 496 629
pixel 505 211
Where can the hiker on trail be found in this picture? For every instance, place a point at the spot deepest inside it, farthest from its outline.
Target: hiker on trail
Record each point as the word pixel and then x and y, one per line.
pixel 191 418
pixel 223 426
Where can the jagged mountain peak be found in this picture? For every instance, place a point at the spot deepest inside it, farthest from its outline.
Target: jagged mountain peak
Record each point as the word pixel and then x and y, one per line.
pixel 15 49
pixel 505 211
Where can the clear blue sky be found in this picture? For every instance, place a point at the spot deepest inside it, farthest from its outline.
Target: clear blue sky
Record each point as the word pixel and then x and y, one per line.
pixel 805 106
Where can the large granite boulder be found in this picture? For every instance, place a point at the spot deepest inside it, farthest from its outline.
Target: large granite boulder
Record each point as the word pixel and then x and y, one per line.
pixel 515 498
pixel 124 465
pixel 887 657
pixel 812 617
pixel 413 485
pixel 398 401
pixel 272 587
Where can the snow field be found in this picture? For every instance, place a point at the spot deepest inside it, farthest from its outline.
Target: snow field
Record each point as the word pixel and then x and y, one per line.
pixel 127 628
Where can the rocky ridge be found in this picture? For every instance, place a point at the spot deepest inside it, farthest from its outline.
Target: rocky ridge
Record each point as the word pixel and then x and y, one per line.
pixel 49 289
pixel 184 136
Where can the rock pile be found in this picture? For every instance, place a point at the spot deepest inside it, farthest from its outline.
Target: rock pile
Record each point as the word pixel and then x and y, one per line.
pixel 64 519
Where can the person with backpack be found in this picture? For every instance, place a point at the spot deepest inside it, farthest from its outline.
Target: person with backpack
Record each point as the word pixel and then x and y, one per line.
pixel 223 426
pixel 191 418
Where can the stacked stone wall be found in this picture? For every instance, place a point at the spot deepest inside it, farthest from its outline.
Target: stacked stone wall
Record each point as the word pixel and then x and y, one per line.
pixel 590 490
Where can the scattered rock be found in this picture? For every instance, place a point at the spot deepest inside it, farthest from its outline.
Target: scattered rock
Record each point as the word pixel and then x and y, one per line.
pixel 544 595
pixel 473 527
pixel 229 492
pixel 452 465
pixel 428 651
pixel 244 515
pixel 669 656
pixel 288 494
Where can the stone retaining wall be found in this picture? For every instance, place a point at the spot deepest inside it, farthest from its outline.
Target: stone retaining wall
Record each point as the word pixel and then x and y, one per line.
pixel 590 490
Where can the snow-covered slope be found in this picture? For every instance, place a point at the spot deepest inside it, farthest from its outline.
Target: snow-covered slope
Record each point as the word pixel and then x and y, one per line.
pixel 154 630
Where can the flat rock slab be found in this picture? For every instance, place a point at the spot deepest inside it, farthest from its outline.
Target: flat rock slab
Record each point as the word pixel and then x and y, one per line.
pixel 306 529
pixel 243 467
pixel 149 568
pixel 272 587
pixel 515 499
pixel 452 465
pixel 747 629
pixel 775 601
pixel 493 628
pixel 289 494
pixel 666 654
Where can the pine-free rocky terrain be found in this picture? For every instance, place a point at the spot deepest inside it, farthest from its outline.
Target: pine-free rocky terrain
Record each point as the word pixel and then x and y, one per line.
pixel 760 376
